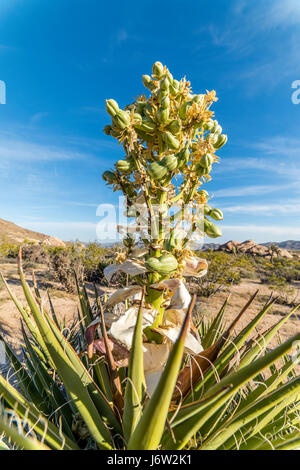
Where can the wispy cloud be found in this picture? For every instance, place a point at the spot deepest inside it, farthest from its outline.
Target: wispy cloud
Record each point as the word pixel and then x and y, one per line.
pixel 36 118
pixel 265 209
pixel 15 150
pixel 257 190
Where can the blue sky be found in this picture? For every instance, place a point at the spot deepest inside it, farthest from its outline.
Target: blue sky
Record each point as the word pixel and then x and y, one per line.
pixel 60 59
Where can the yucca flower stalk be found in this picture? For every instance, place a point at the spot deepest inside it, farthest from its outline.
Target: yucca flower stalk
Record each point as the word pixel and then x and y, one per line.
pixel 170 142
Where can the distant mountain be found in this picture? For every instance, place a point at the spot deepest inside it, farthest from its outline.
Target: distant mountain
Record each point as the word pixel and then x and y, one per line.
pixel 287 245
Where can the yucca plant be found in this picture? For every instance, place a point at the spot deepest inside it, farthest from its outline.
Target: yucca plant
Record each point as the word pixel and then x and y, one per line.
pixel 146 376
pixel 243 396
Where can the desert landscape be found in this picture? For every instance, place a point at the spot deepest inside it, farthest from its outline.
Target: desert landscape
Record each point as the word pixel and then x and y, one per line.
pixel 248 267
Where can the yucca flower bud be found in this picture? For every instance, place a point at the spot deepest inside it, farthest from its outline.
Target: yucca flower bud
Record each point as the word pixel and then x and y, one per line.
pixel 162 115
pixel 107 129
pixel 170 162
pixel 109 177
pixel 211 229
pixel 222 139
pixel 164 84
pixel 208 125
pixel 183 157
pixel 207 209
pixel 148 82
pixel 165 102
pixel 121 119
pixel 124 165
pixel 165 264
pixel 216 214
pixel 206 160
pixel 171 141
pixel 158 69
pixel 157 171
pixel 147 125
pixel 174 127
pixel 112 107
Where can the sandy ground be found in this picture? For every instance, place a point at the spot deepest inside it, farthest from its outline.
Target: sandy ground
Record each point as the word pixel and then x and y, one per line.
pixel 66 305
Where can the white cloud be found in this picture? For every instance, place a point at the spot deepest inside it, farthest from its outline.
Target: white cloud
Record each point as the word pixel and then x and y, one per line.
pixel 265 209
pixel 20 151
pixel 250 190
pixel 38 117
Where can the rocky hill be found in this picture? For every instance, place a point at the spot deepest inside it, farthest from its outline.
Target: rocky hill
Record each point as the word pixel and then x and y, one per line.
pixel 15 234
pixel 252 248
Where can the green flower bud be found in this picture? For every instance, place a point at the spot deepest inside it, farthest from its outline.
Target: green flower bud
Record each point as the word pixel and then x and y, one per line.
pixel 183 157
pixel 207 209
pixel 121 119
pixel 216 214
pixel 206 160
pixel 107 130
pixel 148 82
pixel 212 138
pixel 112 107
pixel 203 193
pixel 208 125
pixel 171 141
pixel 222 139
pixel 137 118
pixel 200 171
pixel 109 177
pixel 140 107
pixel 158 69
pixel 175 241
pixel 157 171
pixel 164 84
pixel 174 127
pixel 183 109
pixel 147 125
pixel 211 229
pixel 165 102
pixel 218 129
pixel 174 87
pixel 124 165
pixel 165 264
pixel 170 162
pixel 162 115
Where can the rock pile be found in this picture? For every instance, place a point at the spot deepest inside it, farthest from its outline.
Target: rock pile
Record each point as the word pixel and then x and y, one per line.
pixel 251 248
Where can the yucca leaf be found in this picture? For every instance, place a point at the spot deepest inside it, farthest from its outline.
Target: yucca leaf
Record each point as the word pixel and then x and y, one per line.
pixel 29 413
pixel 100 401
pixel 222 362
pixel 256 347
pixel 256 416
pixel 21 441
pixel 191 418
pixel 212 333
pixel 149 430
pixel 72 381
pixel 135 384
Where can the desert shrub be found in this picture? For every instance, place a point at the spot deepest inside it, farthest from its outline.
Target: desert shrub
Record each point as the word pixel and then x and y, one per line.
pixel 8 250
pixel 63 263
pixel 35 254
pixel 224 270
